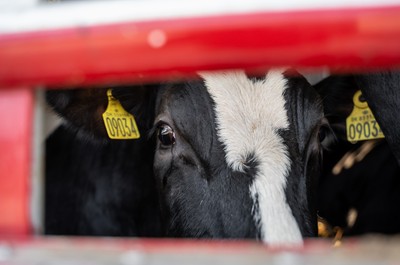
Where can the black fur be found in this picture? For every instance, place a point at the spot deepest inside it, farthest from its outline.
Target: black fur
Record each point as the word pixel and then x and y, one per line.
pixel 90 189
pixel 382 91
pixel 305 118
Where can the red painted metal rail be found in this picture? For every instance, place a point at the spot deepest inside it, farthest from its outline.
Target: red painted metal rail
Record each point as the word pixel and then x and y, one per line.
pixel 153 50
pixel 15 160
pixel 106 251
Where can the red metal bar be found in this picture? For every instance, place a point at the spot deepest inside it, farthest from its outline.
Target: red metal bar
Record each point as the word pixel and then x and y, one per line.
pixel 106 251
pixel 350 38
pixel 15 142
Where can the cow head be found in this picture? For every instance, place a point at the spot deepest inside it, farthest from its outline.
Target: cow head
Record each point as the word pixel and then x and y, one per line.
pixel 234 156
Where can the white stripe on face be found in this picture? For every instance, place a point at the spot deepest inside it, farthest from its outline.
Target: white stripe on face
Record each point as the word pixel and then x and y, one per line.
pixel 249 114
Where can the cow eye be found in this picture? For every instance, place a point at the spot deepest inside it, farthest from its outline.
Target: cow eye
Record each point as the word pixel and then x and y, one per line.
pixel 322 134
pixel 166 135
pixel 325 136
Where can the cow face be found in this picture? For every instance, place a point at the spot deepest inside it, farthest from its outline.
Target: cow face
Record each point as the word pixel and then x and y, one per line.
pixel 234 156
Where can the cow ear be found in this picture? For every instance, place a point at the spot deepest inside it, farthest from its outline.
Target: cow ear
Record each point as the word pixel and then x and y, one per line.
pixel 82 109
pixel 337 93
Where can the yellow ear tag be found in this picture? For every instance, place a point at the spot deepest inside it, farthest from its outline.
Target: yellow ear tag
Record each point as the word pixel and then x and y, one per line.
pixel 119 123
pixel 361 124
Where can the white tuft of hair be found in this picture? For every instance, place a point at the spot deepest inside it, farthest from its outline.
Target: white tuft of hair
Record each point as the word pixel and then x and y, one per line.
pixel 249 114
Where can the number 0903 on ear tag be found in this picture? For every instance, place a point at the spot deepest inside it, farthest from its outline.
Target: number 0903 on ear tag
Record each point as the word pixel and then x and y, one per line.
pixel 361 124
pixel 119 123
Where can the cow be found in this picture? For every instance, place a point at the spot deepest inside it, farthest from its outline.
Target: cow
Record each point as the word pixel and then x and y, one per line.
pixel 90 189
pixel 233 155
pixel 363 177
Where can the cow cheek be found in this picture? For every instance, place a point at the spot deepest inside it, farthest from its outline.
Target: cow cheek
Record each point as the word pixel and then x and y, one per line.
pixel 162 166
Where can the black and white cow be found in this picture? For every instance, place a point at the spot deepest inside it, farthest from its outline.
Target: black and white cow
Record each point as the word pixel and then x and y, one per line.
pixel 362 177
pixel 234 156
pixel 90 189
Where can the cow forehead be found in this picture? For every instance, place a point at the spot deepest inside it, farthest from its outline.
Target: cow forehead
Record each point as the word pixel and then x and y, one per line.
pixel 249 115
pixel 247 112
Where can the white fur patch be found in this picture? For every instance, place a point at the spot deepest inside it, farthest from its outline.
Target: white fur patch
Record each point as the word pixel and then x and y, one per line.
pixel 249 114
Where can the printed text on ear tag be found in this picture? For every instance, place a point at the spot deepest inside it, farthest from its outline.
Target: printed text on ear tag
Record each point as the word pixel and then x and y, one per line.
pixel 119 123
pixel 361 124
